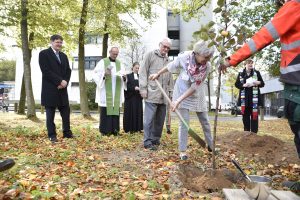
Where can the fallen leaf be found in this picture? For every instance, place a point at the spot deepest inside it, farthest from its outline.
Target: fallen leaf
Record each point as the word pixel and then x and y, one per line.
pixel 145 185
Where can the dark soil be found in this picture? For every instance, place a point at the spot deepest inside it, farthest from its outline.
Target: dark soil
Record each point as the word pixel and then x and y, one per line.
pixel 260 148
pixel 197 180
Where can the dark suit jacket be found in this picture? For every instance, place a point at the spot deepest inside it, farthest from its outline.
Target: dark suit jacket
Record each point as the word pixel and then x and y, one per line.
pixel 249 90
pixel 53 73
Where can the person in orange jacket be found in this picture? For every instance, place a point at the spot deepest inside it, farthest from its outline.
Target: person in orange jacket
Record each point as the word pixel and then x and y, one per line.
pixel 286 26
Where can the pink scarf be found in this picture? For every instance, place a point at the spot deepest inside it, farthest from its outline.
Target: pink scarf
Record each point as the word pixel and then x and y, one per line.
pixel 198 72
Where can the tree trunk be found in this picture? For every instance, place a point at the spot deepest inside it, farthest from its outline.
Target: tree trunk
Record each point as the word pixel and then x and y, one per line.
pixel 216 122
pixel 208 92
pixel 84 104
pixel 21 109
pixel 105 44
pixel 26 61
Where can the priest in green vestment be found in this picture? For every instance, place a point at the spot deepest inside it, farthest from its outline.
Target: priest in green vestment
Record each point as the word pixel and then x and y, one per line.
pixel 109 75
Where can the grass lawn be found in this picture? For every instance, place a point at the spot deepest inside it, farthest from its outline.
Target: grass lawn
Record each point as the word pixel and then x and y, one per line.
pixel 96 167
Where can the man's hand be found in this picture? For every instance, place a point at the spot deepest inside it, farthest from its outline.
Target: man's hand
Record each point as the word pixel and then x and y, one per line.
pixel 137 88
pixel 223 66
pixel 143 94
pixel 64 83
pixel 152 77
pixel 60 87
pixel 107 72
pixel 246 85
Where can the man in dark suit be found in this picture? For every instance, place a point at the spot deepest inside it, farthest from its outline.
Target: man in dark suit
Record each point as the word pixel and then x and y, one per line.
pixel 56 72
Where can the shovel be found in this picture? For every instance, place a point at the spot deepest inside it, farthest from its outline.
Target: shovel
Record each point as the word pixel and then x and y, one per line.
pixel 257 187
pixel 192 133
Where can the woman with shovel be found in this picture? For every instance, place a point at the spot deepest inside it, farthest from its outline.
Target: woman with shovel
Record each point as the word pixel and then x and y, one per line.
pixel 189 90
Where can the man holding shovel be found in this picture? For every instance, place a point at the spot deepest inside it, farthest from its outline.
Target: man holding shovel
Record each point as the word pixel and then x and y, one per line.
pixel 189 90
pixel 155 103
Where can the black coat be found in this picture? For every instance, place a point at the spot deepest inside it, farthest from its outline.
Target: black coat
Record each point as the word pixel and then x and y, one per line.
pixel 249 90
pixel 53 73
pixel 131 84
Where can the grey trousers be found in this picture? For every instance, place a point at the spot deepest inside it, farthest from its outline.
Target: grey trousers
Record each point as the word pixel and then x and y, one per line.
pixel 183 131
pixel 154 117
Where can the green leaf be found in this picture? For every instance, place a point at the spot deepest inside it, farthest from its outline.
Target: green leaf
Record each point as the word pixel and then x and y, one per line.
pixel 232 41
pixel 217 10
pixel 211 24
pixel 221 3
pixel 234 3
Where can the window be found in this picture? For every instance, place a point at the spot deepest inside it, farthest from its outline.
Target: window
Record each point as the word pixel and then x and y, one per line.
pixel 74 84
pixel 90 62
pixel 173 53
pixel 174 35
pixel 93 39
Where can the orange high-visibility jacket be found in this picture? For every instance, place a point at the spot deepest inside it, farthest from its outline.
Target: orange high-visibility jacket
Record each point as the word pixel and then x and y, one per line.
pixel 286 26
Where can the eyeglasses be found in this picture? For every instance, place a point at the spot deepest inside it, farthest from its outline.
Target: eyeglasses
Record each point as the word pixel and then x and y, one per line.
pixel 165 46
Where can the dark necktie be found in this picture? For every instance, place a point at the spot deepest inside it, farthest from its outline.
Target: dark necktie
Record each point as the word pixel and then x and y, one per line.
pixel 57 55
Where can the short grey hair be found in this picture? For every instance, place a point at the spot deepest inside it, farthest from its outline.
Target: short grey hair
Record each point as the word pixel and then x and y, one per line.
pixel 114 47
pixel 166 39
pixel 201 48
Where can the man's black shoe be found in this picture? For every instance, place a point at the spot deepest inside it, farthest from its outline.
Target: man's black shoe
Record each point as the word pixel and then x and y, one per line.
pixel 70 135
pixel 169 132
pixel 156 143
pixel 150 147
pixel 53 139
pixel 6 164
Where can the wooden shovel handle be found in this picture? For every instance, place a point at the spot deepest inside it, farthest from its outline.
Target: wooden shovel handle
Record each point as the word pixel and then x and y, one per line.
pixel 190 131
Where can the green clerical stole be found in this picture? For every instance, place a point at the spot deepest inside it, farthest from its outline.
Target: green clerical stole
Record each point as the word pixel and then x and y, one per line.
pixel 112 104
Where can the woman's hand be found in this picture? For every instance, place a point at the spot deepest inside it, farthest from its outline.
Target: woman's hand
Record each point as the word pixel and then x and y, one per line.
pixel 246 85
pixel 174 105
pixel 152 77
pixel 256 83
pixel 137 88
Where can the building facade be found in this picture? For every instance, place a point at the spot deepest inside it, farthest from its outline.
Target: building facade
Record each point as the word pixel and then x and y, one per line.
pixel 165 25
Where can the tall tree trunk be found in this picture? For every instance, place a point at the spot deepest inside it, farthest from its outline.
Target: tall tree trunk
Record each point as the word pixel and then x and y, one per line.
pixel 105 44
pixel 84 104
pixel 106 31
pixel 21 109
pixel 26 61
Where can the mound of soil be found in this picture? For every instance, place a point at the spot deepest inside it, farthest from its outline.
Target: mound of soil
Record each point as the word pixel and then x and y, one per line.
pixel 262 148
pixel 197 180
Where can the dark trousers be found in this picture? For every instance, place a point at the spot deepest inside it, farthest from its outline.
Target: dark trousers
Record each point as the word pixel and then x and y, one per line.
pixel 109 124
pixel 154 117
pixel 65 115
pixel 249 123
pixel 290 108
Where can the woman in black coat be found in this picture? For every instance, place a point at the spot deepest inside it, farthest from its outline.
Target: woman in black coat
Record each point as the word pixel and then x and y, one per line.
pixel 249 81
pixel 133 106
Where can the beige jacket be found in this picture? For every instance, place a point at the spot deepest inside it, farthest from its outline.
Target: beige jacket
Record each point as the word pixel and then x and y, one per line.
pixel 151 64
